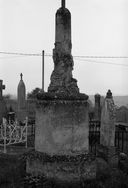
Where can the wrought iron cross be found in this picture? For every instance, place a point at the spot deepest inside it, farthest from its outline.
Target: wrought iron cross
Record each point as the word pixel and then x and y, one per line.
pixel 1 88
pixel 63 3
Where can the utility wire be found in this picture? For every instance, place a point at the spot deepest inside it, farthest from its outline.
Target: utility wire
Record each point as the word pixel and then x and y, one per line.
pixel 24 54
pixel 90 57
pixel 79 58
pixel 103 57
pixel 102 62
pixel 11 57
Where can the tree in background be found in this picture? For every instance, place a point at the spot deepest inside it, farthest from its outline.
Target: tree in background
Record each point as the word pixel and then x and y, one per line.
pixel 33 93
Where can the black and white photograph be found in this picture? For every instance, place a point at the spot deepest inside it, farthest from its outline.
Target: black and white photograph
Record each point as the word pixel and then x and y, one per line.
pixel 63 93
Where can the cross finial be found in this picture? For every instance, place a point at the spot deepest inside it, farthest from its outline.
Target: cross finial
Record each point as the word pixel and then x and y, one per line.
pixel 21 76
pixel 63 3
pixel 109 94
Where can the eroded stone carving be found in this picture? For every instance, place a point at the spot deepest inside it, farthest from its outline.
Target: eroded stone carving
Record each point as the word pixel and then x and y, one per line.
pixel 62 80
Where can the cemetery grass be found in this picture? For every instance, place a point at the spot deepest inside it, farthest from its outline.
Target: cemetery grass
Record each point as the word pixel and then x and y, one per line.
pixel 13 175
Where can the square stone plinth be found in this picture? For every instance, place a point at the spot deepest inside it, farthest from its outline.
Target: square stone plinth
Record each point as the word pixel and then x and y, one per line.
pixel 62 126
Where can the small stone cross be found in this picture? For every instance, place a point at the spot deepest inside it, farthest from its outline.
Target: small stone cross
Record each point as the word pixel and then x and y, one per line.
pixel 1 88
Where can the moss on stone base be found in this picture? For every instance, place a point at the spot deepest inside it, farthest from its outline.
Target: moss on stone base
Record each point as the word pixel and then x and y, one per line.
pixel 61 96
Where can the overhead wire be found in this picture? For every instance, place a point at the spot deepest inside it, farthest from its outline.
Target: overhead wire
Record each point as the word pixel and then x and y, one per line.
pixel 102 62
pixel 79 58
pixel 24 54
pixel 82 56
pixel 11 57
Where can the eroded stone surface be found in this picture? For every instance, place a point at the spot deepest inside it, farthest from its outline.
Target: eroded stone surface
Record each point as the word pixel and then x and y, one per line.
pixel 62 127
pixel 62 80
pixel 107 130
pixel 69 170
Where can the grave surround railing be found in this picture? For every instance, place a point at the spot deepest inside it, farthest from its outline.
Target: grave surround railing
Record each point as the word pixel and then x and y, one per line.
pixel 94 135
pixel 13 133
pixel 121 137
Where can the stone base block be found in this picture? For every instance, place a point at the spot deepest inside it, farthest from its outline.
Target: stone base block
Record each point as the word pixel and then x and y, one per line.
pixel 62 168
pixel 62 127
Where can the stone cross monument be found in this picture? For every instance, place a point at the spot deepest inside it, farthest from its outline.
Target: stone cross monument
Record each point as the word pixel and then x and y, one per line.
pixel 63 108
pixel 62 80
pixel 21 99
pixel 21 93
pixel 1 88
pixel 3 108
pixel 62 113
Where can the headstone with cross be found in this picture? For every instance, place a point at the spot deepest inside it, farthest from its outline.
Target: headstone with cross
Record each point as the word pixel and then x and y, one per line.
pixel 21 100
pixel 1 89
pixel 3 108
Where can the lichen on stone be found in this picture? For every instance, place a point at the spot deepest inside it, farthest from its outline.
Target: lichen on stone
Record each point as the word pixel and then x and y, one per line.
pixel 61 78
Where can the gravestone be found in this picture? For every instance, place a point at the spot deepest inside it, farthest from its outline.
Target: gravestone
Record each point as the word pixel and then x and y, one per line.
pixel 3 108
pixel 62 126
pixel 21 100
pixel 64 118
pixel 1 89
pixel 62 80
pixel 97 111
pixel 107 130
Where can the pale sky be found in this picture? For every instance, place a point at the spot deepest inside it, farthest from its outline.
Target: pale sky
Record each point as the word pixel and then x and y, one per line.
pixel 99 28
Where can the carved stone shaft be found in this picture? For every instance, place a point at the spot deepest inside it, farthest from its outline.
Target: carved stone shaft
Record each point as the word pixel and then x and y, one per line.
pixel 61 78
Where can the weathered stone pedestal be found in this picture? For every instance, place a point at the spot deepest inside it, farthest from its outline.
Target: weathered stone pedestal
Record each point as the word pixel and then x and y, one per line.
pixel 63 168
pixel 62 127
pixel 61 141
